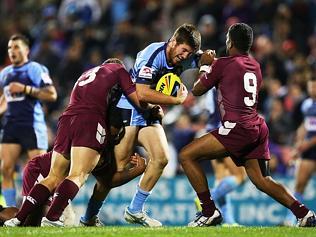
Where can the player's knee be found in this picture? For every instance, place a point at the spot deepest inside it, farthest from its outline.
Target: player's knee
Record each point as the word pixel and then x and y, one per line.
pixel 262 183
pixel 52 181
pixel 78 179
pixel 241 178
pixel 183 156
pixel 300 187
pixel 7 170
pixel 159 162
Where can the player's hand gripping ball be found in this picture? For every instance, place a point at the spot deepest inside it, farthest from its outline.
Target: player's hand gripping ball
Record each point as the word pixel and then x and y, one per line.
pixel 169 84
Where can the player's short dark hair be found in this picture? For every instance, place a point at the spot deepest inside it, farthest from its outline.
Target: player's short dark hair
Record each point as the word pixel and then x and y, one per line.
pixel 188 34
pixel 21 37
pixel 241 35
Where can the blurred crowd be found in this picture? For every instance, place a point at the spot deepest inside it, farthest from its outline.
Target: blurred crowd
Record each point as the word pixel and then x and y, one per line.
pixel 71 36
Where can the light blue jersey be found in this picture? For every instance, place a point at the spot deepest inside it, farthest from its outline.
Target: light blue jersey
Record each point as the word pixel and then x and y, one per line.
pixel 150 65
pixel 24 110
pixel 309 112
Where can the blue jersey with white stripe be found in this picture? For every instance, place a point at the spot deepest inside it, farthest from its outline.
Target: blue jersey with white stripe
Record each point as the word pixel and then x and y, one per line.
pixel 23 109
pixel 151 64
pixel 309 112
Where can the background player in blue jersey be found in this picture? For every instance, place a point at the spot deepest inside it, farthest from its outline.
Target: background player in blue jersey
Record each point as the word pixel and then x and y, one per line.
pixel 24 84
pixel 151 63
pixel 305 147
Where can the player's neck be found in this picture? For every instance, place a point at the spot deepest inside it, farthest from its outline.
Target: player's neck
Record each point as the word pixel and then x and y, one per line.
pixel 233 52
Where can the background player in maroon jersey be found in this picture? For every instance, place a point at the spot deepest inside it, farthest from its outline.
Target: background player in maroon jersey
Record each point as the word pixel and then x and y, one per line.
pixel 81 136
pixel 243 134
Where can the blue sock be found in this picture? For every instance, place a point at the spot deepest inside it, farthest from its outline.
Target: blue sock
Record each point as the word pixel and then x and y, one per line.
pixel 290 218
pixel 138 201
pixel 226 209
pixel 9 196
pixel 92 210
pixel 226 185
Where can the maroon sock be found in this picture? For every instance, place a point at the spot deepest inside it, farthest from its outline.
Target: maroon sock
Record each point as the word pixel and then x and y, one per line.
pixel 36 197
pixel 207 204
pixel 64 193
pixel 298 209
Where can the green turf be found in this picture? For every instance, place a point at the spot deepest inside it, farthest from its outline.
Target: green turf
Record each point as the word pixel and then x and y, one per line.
pixel 160 232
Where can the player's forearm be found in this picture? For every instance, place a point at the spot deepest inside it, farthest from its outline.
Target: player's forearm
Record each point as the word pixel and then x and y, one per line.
pixel 47 93
pixel 154 97
pixel 126 175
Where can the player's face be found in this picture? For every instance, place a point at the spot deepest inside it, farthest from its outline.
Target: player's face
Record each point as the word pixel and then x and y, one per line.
pixel 18 52
pixel 311 88
pixel 179 52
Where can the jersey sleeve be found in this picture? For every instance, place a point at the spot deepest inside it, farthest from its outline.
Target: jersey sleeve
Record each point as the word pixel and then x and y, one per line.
pixel 1 79
pixel 209 80
pixel 125 81
pixel 3 75
pixel 145 74
pixel 305 105
pixel 39 75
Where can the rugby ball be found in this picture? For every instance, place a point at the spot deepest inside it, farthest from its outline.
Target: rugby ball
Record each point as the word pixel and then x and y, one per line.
pixel 169 84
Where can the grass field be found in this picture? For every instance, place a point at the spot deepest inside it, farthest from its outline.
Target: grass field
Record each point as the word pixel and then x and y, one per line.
pixel 160 232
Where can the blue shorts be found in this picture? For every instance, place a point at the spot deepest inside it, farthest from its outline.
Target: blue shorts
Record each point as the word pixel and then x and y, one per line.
pixel 131 117
pixel 27 136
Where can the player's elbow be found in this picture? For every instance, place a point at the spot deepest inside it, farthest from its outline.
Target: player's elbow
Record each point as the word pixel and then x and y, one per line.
pixel 141 97
pixel 52 96
pixel 196 92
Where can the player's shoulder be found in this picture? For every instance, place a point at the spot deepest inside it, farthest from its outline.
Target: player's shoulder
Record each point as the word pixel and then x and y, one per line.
pixel 6 70
pixel 155 46
pixel 307 103
pixel 35 66
pixel 152 51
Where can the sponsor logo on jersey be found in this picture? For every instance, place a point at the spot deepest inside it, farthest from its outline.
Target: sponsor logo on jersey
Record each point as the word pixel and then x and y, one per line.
pixel 146 72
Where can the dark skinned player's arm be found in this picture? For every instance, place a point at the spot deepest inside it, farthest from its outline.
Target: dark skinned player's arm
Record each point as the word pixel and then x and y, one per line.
pixel 133 169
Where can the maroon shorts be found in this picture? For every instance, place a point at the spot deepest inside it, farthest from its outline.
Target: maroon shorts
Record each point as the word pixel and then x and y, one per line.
pixel 35 170
pixel 245 143
pixel 85 130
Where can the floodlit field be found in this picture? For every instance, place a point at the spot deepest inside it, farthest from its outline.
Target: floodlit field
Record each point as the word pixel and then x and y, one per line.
pixel 160 232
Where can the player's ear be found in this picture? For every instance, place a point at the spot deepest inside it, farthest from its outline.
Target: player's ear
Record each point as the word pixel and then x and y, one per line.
pixel 173 42
pixel 229 44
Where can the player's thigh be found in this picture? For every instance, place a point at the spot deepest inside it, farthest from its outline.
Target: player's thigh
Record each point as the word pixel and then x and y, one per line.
pixel 304 172
pixel 125 148
pixel 205 147
pixel 35 152
pixel 154 140
pixel 83 160
pixel 9 154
